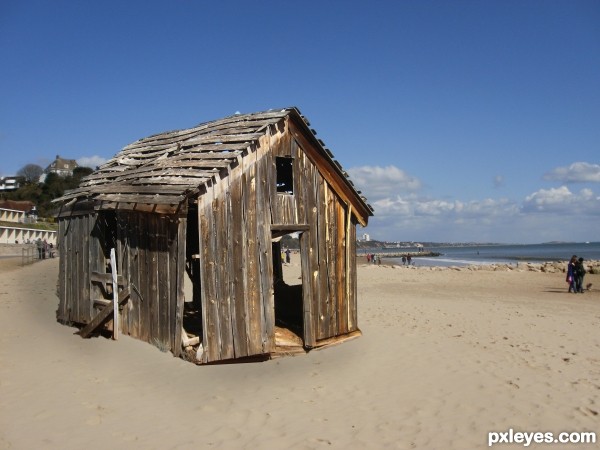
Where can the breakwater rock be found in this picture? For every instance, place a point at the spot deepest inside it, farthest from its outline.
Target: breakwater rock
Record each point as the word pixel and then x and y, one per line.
pixel 591 266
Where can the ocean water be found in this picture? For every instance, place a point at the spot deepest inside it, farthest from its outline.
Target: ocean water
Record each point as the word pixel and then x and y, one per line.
pixel 510 254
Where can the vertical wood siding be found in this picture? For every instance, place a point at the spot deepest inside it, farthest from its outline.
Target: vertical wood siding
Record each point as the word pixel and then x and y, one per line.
pixel 147 248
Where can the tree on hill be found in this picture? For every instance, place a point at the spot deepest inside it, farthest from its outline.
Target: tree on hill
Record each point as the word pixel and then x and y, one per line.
pixel 30 172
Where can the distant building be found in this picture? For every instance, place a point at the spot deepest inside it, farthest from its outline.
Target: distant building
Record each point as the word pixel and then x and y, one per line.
pixel 62 167
pixel 26 206
pixel 9 183
pixel 366 237
pixel 14 228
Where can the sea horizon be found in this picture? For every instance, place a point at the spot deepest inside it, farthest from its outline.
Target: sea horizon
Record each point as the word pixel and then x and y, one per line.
pixel 470 254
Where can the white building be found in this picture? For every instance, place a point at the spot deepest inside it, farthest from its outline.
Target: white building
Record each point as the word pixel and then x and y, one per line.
pixel 61 166
pixel 8 183
pixel 14 234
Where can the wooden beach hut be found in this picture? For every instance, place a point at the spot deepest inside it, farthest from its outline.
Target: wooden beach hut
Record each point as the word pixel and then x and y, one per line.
pixel 176 241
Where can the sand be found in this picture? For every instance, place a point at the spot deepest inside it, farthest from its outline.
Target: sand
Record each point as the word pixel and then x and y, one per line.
pixel 445 357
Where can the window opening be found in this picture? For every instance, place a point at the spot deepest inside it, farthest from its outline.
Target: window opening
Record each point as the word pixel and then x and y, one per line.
pixel 285 175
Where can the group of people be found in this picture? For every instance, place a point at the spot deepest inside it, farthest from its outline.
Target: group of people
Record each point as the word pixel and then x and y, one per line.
pixel 44 249
pixel 373 258
pixel 575 274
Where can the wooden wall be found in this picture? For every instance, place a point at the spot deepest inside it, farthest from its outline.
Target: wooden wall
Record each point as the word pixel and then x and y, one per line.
pixel 74 276
pixel 236 216
pixel 148 249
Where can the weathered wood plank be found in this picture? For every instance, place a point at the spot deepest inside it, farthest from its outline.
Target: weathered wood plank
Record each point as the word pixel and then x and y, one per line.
pixel 122 246
pixel 222 255
pixel 332 257
pixel 134 280
pixel 210 340
pixel 77 267
pixel 312 211
pixel 177 256
pixel 178 150
pixel 145 266
pixel 98 277
pixel 163 240
pixel 134 198
pixel 115 293
pixel 289 227
pixel 140 173
pixel 265 259
pixel 325 310
pixel 353 301
pixel 254 313
pixel 123 188
pixel 206 163
pixel 153 277
pixel 104 315
pixel 62 264
pixel 85 265
pixel 171 181
pixel 336 340
pixel 238 260
pixel 255 120
pixel 342 306
pixel 270 181
pixel 208 127
pixel 298 168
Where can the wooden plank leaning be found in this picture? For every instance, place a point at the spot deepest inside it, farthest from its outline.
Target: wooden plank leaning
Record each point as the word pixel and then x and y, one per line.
pixel 115 290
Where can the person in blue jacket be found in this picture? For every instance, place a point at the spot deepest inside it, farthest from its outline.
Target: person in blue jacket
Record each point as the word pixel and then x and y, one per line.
pixel 571 274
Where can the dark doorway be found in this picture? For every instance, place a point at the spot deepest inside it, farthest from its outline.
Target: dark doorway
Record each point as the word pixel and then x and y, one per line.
pixel 288 289
pixel 192 314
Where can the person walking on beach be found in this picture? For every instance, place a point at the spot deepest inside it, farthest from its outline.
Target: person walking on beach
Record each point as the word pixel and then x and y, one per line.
pixel 571 274
pixel 579 273
pixel 40 247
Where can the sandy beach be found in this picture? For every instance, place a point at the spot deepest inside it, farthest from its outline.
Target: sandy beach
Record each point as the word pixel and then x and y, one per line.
pixel 445 358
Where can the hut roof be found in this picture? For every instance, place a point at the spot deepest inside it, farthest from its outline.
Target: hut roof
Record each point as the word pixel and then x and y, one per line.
pixel 167 168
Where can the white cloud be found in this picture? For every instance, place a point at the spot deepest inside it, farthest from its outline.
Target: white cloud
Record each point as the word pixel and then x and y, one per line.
pixel 545 215
pixel 562 200
pixel 91 161
pixel 498 181
pixel 383 182
pixel 451 210
pixel 578 172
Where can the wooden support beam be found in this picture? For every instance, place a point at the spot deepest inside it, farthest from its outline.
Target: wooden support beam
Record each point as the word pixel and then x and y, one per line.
pixel 101 302
pixel 335 340
pixel 103 315
pixel 99 277
pixel 290 228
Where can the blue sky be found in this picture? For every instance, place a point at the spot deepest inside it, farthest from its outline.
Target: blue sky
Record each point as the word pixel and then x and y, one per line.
pixel 459 120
